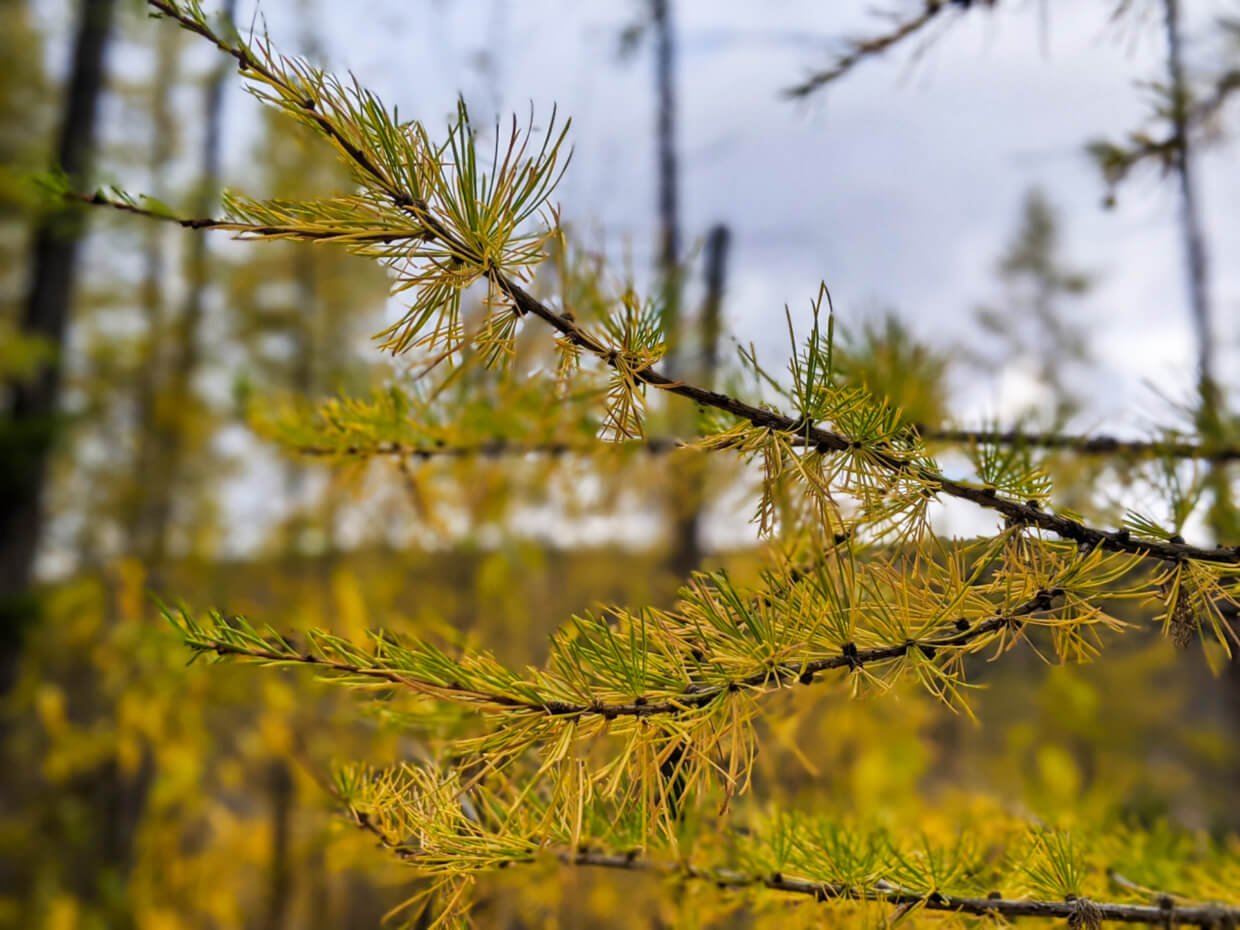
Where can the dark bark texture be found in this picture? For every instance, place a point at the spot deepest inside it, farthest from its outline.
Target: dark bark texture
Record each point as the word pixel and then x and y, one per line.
pixel 27 434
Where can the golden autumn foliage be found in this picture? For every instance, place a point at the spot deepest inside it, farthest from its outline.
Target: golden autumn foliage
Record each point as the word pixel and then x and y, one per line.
pixel 859 718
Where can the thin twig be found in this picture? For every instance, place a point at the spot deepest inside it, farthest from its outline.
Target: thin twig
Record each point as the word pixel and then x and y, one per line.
pixel 100 199
pixel 1198 915
pixel 1016 512
pixel 1164 914
pixel 859 50
pixel 662 445
pixel 497 448
pixel 695 695
pixel 1129 885
pixel 1084 445
pixel 1094 444
pixel 1165 149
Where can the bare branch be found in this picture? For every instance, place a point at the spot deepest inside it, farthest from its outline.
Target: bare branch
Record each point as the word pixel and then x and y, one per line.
pixel 859 50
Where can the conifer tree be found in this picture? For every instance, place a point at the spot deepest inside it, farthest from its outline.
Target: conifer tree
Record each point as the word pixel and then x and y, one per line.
pixel 634 747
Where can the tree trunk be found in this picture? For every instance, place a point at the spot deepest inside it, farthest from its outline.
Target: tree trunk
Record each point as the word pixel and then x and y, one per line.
pixel 26 439
pixel 145 481
pixel 1222 517
pixel 668 172
pixel 685 552
pixel 168 451
pixel 687 534
pixel 281 872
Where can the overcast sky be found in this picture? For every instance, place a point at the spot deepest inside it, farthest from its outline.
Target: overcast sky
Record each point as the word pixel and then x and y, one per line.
pixel 898 185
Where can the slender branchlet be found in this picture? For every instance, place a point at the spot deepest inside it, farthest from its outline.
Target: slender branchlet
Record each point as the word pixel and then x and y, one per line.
pixel 1118 160
pixel 683 687
pixel 423 819
pixel 857 51
pixel 403 666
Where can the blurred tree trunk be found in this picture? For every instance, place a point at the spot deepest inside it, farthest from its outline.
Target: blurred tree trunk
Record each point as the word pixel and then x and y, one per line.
pixel 687 540
pixel 32 404
pixel 685 553
pixel 718 241
pixel 176 406
pixel 1211 414
pixel 154 309
pixel 278 895
pixel 684 359
pixel 668 170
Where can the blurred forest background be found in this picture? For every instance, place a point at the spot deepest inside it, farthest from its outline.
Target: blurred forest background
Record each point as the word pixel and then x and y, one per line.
pixel 138 793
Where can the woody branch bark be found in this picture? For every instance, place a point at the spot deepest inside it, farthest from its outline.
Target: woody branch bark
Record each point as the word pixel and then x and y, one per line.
pixel 695 695
pixel 1077 911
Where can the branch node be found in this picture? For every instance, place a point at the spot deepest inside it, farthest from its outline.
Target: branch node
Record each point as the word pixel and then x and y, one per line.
pixel 850 656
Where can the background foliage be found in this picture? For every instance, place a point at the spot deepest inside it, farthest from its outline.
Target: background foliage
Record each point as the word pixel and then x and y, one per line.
pixel 428 499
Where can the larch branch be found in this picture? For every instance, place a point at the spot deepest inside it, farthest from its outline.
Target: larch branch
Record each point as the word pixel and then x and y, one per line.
pixel 1166 913
pixel 1201 915
pixel 1027 513
pixel 1090 445
pixel 695 695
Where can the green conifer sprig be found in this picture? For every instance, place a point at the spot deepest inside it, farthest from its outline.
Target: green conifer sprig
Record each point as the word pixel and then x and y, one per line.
pixel 867 453
pixel 871 454
pixel 584 748
pixel 1000 867
pixel 379 424
pixel 461 216
pixel 683 687
pixel 720 639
